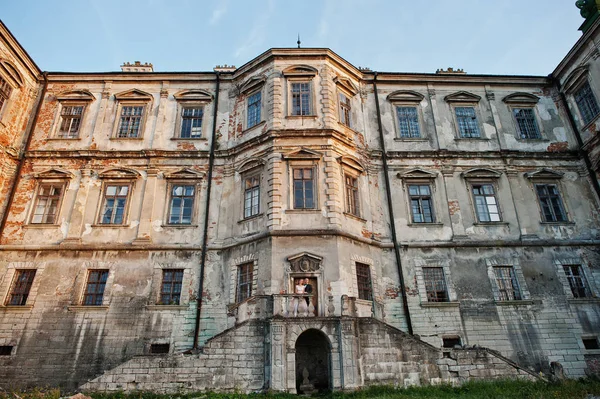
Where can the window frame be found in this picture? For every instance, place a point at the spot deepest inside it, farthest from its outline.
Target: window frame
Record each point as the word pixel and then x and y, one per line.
pixel 246 176
pixel 173 281
pixel 444 283
pixel 248 283
pixel 352 202
pixel 480 183
pixel 535 119
pixel 141 126
pixel 517 294
pixel 420 183
pixel 95 295
pixel 181 108
pixel 345 109
pixel 170 187
pixel 562 204
pixel 42 183
pixel 311 100
pixel 5 94
pixel 585 84
pixel 408 99
pixel 61 108
pixel 587 289
pixel 119 183
pixel 132 98
pixel 366 286
pixel 314 198
pixel 259 108
pixel 418 116
pixel 477 118
pixel 14 284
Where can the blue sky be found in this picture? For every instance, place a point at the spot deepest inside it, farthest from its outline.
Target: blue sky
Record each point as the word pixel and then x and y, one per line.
pixel 524 37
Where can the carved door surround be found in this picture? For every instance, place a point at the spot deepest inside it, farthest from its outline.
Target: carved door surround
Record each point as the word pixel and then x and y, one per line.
pixel 306 265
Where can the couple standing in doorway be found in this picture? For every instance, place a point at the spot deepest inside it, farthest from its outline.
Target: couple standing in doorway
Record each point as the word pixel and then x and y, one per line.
pixel 302 286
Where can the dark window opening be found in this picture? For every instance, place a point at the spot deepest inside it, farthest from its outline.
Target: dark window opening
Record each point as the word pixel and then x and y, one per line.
pixel 94 290
pixel 21 287
pixel 451 342
pixel 363 278
pixel 6 350
pixel 590 343
pixel 435 284
pixel 170 292
pixel 159 349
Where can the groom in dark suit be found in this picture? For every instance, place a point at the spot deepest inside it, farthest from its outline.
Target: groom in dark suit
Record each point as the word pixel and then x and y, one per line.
pixel 308 289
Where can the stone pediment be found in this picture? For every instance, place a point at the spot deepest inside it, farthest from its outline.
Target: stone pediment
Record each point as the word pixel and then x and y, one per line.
pixel 193 95
pixel 405 96
pixel 53 173
pixel 76 95
pixel 416 174
pixel 576 77
pixel 300 71
pixel 462 97
pixel 252 84
pixel 184 173
pixel 351 162
pixel 521 98
pixel 305 262
pixel 544 174
pixel 118 173
pixel 303 153
pixel 346 85
pixel 133 95
pixel 250 164
pixel 8 68
pixel 481 173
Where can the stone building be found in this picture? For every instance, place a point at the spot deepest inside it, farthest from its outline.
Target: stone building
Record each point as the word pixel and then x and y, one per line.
pixel 159 224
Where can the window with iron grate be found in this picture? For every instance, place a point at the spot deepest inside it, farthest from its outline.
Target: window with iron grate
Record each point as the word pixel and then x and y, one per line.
pixel 363 279
pixel 435 284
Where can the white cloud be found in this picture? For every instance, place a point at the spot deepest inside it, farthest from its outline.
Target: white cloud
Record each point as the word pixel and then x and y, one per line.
pixel 218 12
pixel 257 35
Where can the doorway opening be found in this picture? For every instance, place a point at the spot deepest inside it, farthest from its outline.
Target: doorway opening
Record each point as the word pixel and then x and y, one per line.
pixel 314 290
pixel 313 362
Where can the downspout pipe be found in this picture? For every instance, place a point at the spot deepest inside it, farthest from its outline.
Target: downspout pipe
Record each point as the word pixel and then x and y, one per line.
pixel 388 192
pixel 21 157
pixel 584 155
pixel 211 162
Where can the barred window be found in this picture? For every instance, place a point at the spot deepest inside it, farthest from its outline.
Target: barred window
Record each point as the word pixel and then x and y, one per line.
pixel 191 122
pixel 181 205
pixel 408 121
pixel 5 91
pixel 70 121
pixel 254 104
pixel 304 188
pixel 363 279
pixel 526 123
pixel 435 284
pixel 551 203
pixel 352 206
pixel 244 282
pixel 301 104
pixel 466 119
pixel 577 281
pixel 20 287
pixel 170 291
pixel 115 202
pixel 130 121
pixel 587 104
pixel 508 288
pixel 486 204
pixel 251 196
pixel 47 202
pixel 421 204
pixel 94 290
pixel 345 109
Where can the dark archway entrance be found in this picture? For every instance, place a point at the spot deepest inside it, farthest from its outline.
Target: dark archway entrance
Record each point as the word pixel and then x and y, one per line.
pixel 313 354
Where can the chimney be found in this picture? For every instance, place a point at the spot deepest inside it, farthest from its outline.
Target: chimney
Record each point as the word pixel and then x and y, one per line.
pixel 137 67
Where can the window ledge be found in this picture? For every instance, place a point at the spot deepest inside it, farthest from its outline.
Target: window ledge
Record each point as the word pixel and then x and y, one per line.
pixel 352 216
pixel 178 226
pixel 302 211
pixel 472 139
pixel 590 123
pixel 250 218
pixel 127 138
pixel 434 224
pixel 248 129
pixel 411 139
pixel 167 307
pixel 16 308
pixel 584 300
pixel 540 140
pixel 567 223
pixel 110 226
pixel 301 117
pixel 85 308
pixel 364 302
pixel 63 138
pixel 490 224
pixel 520 302
pixel 40 226
pixel 188 138
pixel 452 304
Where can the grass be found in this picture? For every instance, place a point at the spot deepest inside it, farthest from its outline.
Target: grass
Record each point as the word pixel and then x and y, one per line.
pixel 570 389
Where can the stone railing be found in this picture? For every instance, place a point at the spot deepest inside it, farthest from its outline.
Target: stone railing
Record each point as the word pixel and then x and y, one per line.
pixel 293 305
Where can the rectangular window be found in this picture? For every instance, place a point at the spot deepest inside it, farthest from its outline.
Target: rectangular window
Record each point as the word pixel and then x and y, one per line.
pixel 159 349
pixel 363 280
pixel 130 121
pixel 181 206
pixel 191 122
pixel 352 206
pixel 5 91
pixel 20 287
pixel 6 350
pixel 486 205
pixel 70 121
pixel 94 289
pixel 47 201
pixel 254 104
pixel 435 284
pixel 450 342
pixel 301 98
pixel 408 122
pixel 421 204
pixel 115 201
pixel 345 110
pixel 551 203
pixel 170 291
pixel 577 281
pixel 506 280
pixel 304 188
pixel 244 282
pixel 590 343
pixel 466 119
pixel 587 104
pixel 528 128
pixel 251 196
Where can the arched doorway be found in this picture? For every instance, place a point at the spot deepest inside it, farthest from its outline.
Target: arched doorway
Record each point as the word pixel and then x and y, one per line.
pixel 313 362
